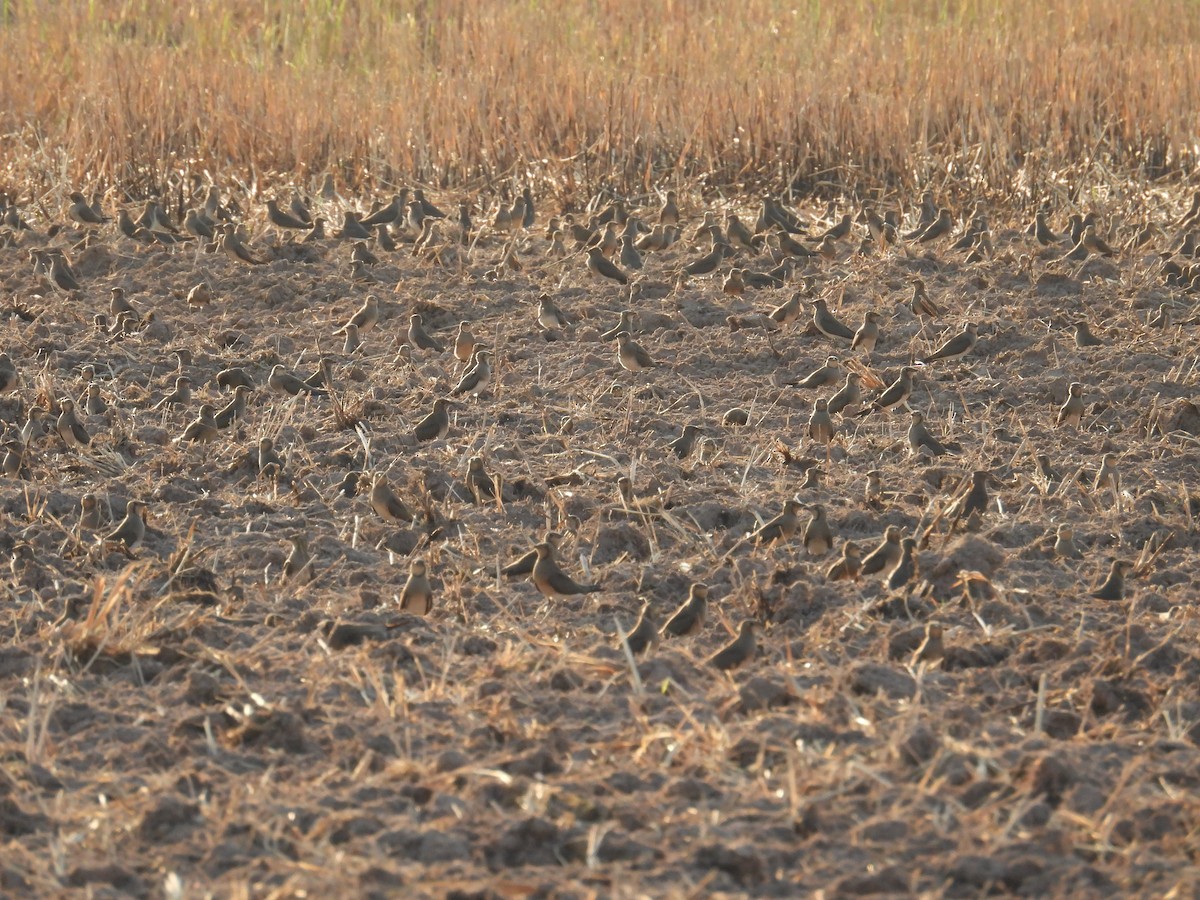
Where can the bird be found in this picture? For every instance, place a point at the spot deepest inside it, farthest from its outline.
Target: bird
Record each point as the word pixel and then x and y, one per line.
pixel 282 219
pixel 267 460
pixel 550 580
pixel 599 264
pixel 624 323
pixel 180 396
pixel 932 649
pixel 706 264
pixel 298 566
pixel 81 212
pixel 782 527
pixel 203 428
pixel 974 501
pixel 234 410
pixel 789 311
pixel 1093 243
pixel 632 356
pixel 464 343
pixel 873 489
pixel 353 338
pixel 920 303
pixel 895 394
pixel 385 502
pixel 435 425
pixel 365 318
pixel 820 424
pixel 827 374
pixel 1113 587
pixel 939 227
pixel 523 564
pixel 689 618
pixel 231 245
pixel 1071 412
pixel 885 555
pixel 281 381
pixel 957 346
pixel 1108 478
pixel 68 426
pixel 683 445
pixel 61 273
pixel 739 651
pixel 9 377
pixel 1064 543
pixel 549 316
pixel 839 231
pixel 1084 337
pixel 416 596
pixel 920 438
pixel 131 529
pixel 421 339
pixel 818 538
pixel 848 567
pixel 389 212
pixel 867 335
pixel 905 569
pixel 849 394
pixel 233 378
pixel 827 323
pixel 643 635
pixel 629 256
pixel 1041 231
pixel 477 378
pixel 734 284
pixel 481 484
pixel 89 512
pixel 668 213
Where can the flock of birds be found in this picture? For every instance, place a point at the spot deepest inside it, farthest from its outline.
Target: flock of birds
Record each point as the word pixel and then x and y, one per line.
pixel 613 243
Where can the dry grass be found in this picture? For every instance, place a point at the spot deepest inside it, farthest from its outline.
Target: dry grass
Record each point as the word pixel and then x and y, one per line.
pixel 989 97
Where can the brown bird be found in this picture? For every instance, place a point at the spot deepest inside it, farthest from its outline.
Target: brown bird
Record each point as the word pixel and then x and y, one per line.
pixel 1084 337
pixel 435 425
pixel 885 556
pixel 920 438
pixel 974 501
pixel 848 567
pixel 826 375
pixel 668 213
pixel 417 595
pixel 298 566
pixel 481 485
pixel 132 528
pixel 867 335
pixel 1114 586
pixel 932 649
pixel 737 653
pixel 788 312
pixel 385 502
pixel 644 635
pixel 231 245
pixel 1071 412
pixel 81 212
pixel 9 377
pixel 683 445
pixel 599 264
pixel 234 378
pixel 203 428
pixel 365 318
pixel 820 424
pixel 523 564
pixel 818 538
pixel 282 219
pixel 957 346
pixel 632 355
pixel 420 338
pixel 689 618
pixel 921 304
pixel 68 426
pixel 827 323
pixel 477 378
pixel 939 227
pixel 1064 543
pixel 464 343
pixel 89 512
pixel 782 527
pixel 281 381
pixel 895 394
pixel 905 569
pixel 552 581
pixel 849 395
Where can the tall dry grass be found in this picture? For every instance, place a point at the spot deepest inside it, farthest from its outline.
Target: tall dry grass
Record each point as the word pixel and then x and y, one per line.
pixel 855 94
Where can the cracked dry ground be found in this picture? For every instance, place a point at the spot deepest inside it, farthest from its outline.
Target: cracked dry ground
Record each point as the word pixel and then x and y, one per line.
pixel 215 731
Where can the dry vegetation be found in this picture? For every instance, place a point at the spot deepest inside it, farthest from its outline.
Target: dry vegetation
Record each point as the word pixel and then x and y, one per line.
pixel 183 720
pixel 977 95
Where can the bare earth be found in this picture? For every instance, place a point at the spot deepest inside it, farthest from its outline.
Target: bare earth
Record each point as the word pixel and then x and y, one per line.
pixel 180 720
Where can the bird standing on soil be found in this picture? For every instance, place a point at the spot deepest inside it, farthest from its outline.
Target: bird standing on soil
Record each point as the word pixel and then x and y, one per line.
pixel 1113 587
pixel 420 338
pixel 848 567
pixel 203 428
pixel 599 264
pixel 1064 543
pixel 933 648
pixel 689 618
pixel 895 394
pixel 365 318
pixel 782 527
pixel 921 304
pixel 827 323
pixel 384 501
pixel 68 426
pixel 957 346
pixel 849 395
pixel 739 652
pixel 436 425
pixel 823 376
pixel 905 569
pixel 885 556
pixel 644 635
pixel 1084 337
pixel 551 580
pixel 867 335
pixel 281 381
pixel 818 537
pixel 477 378
pixel 523 564
pixel 132 528
pixel 416 597
pixel 683 445
pixel 632 355
pixel 820 424
pixel 920 438
pixel 1071 412
pixel 298 566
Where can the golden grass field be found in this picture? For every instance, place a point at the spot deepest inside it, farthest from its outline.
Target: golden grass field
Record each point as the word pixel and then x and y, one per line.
pixel 191 717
